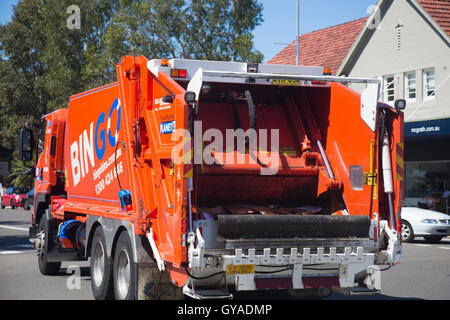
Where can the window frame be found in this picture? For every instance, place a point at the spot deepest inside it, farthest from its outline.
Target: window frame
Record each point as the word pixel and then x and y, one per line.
pixel 409 88
pixel 425 83
pixel 386 89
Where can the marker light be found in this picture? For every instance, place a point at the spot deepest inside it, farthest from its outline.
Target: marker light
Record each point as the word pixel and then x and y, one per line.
pixel 189 97
pixel 178 73
pixel 400 104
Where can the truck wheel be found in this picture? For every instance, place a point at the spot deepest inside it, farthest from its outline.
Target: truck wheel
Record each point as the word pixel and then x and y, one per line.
pixel 101 268
pixel 26 206
pixel 407 232
pixel 13 204
pixel 124 269
pixel 45 267
pixel 2 205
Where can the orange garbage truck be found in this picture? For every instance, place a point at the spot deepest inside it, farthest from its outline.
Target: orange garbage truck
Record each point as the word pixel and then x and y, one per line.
pixel 209 179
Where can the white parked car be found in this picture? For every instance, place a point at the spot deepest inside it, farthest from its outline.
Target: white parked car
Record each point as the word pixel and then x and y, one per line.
pixel 431 225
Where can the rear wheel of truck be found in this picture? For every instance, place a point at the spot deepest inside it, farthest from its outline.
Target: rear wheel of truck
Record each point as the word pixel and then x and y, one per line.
pixel 101 268
pixel 13 205
pixel 124 269
pixel 45 267
pixel 2 205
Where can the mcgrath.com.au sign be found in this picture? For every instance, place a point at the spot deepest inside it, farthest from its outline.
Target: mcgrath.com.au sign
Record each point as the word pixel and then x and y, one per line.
pixel 425 129
pixel 438 127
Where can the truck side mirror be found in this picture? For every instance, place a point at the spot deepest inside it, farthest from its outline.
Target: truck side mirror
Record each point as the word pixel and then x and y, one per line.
pixel 26 144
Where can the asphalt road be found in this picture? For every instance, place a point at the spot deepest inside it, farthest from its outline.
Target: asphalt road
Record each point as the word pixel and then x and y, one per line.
pixel 423 274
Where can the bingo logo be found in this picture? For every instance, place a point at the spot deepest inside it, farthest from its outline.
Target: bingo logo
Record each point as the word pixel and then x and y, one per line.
pixel 82 151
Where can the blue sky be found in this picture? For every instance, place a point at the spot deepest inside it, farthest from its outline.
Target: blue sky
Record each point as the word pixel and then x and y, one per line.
pixel 279 16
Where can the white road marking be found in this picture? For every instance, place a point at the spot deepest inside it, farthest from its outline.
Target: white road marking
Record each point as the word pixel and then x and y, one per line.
pixel 10 252
pixel 422 245
pixel 25 246
pixel 446 248
pixel 13 228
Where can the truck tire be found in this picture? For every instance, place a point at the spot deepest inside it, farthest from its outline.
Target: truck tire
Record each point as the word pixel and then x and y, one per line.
pixel 124 269
pixel 45 267
pixel 13 204
pixel 2 205
pixel 101 268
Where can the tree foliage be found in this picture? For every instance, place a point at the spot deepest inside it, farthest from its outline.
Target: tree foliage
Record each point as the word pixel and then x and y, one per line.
pixel 43 62
pixel 18 175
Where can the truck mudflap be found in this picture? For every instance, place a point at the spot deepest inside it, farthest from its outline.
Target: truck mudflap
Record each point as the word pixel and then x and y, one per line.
pixel 287 226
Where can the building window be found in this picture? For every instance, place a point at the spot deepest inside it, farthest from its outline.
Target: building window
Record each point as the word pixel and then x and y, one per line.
pixel 388 89
pixel 410 86
pixel 429 86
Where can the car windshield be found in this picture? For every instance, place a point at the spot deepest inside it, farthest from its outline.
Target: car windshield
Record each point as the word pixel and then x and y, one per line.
pixel 20 190
pixel 407 204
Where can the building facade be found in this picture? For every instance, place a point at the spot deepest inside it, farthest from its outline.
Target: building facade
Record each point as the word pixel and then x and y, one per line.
pixel 406 43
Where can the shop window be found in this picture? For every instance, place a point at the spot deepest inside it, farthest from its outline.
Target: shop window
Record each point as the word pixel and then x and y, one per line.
pixel 427 183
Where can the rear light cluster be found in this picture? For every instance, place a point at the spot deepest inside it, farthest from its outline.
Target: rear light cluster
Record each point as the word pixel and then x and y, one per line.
pixel 178 73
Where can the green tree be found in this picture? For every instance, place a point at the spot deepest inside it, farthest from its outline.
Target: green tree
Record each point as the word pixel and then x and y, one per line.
pixel 43 62
pixel 18 176
pixel 197 29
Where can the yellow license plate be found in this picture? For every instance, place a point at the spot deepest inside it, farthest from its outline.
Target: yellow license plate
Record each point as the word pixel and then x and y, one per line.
pixel 286 82
pixel 240 269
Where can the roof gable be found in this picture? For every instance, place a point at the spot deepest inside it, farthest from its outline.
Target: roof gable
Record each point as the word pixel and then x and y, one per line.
pixel 332 47
pixel 432 9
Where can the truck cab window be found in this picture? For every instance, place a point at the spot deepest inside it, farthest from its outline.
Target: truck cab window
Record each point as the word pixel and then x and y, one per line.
pixel 41 139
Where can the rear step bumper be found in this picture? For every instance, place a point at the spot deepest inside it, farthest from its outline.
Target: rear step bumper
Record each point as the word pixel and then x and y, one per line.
pixel 288 226
pixel 243 262
pixel 297 265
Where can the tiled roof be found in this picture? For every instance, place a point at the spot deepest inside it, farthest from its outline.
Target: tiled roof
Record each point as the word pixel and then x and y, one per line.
pixel 326 47
pixel 439 10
